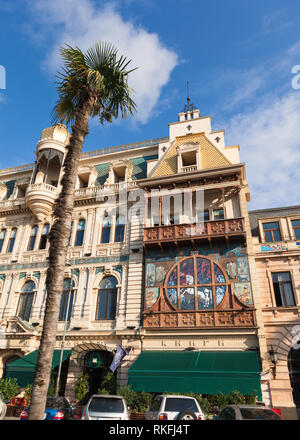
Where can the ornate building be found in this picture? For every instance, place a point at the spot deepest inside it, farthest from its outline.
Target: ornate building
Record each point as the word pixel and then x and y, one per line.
pixel 161 261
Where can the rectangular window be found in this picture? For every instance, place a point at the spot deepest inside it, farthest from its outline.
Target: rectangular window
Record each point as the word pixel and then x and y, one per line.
pixel 271 232
pixel 283 289
pixel 218 214
pixel 296 229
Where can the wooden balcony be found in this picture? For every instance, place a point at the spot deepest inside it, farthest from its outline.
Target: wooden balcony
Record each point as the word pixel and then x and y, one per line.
pixel 199 319
pixel 194 232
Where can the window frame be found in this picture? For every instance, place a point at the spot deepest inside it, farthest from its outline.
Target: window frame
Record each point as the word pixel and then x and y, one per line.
pixel 263 231
pixel 295 227
pixel 77 242
pixel 107 291
pixel 11 241
pixel 27 296
pixel 63 312
pixel 280 292
pixel 32 238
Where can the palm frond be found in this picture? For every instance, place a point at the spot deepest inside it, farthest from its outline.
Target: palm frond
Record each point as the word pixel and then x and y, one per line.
pixel 100 72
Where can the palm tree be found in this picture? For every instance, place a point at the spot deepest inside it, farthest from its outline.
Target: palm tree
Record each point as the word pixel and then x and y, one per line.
pixel 94 83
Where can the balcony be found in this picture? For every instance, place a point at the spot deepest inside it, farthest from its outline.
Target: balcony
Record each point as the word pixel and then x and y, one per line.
pixel 194 232
pixel 199 319
pixel 40 199
pixel 189 168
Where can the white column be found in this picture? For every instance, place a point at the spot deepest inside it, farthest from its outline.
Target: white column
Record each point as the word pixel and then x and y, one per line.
pixel 38 303
pixel 88 233
pixel 9 305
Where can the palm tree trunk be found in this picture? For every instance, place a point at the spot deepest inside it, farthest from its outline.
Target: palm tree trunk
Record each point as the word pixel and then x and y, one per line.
pixel 59 241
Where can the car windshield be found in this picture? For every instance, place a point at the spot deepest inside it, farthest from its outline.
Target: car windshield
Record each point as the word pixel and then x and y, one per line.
pixel 259 414
pixel 106 404
pixel 174 404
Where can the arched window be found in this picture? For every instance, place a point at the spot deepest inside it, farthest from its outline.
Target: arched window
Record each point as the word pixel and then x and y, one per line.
pixel 120 228
pixel 106 227
pixel 12 240
pixel 32 238
pixel 80 233
pixel 2 237
pixel 26 300
pixel 107 298
pixel 44 236
pixel 66 302
pixel 196 283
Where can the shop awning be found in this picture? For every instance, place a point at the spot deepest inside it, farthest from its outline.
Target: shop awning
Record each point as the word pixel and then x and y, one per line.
pixel 200 372
pixel 23 369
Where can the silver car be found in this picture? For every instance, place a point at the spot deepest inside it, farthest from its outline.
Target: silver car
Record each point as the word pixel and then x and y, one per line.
pixel 2 408
pixel 105 407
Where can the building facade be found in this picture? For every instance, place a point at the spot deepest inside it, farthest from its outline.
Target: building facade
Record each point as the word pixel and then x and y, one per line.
pixel 161 261
pixel 276 241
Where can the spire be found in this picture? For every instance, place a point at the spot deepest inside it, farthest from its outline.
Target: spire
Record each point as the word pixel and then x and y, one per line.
pixel 188 107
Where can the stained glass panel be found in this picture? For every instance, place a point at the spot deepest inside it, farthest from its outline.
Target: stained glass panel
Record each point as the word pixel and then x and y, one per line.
pixel 187 298
pixel 203 271
pixel 173 278
pixel 172 294
pixel 205 298
pixel 187 272
pixel 219 277
pixel 220 293
pixel 108 283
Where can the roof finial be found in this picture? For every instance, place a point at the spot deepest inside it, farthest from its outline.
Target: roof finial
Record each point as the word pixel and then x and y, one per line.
pixel 188 96
pixel 188 107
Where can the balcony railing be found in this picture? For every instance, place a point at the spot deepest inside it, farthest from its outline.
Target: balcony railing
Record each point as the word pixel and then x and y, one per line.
pixel 199 319
pixel 92 191
pixel 189 168
pixel 215 228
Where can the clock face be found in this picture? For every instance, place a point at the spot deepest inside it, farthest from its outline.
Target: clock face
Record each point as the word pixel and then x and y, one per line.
pixel 3 191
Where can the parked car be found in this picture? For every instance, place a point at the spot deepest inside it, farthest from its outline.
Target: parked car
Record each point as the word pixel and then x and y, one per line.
pixel 2 408
pixel 105 407
pixel 248 412
pixel 172 407
pixel 57 408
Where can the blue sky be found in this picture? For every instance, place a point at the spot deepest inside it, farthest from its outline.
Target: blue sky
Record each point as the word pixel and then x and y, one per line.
pixel 236 54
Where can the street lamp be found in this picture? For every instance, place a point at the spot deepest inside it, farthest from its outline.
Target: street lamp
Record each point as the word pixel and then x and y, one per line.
pixel 273 357
pixel 63 340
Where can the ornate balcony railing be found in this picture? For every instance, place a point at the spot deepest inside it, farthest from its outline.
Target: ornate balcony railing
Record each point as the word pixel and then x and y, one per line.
pixel 215 228
pixel 199 319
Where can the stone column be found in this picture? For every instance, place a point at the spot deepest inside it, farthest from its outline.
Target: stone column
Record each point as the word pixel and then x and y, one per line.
pixel 88 231
pixel 38 303
pixel 80 295
pixel 9 305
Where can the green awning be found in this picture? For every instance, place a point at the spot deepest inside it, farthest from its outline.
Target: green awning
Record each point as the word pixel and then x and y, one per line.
pixel 200 372
pixel 23 369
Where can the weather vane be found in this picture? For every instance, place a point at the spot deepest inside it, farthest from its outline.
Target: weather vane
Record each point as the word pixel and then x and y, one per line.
pixel 188 107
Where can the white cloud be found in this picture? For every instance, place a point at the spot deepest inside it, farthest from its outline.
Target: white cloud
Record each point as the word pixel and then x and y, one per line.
pixel 269 138
pixel 80 23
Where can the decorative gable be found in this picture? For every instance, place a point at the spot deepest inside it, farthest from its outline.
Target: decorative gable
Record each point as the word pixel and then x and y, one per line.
pixel 210 156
